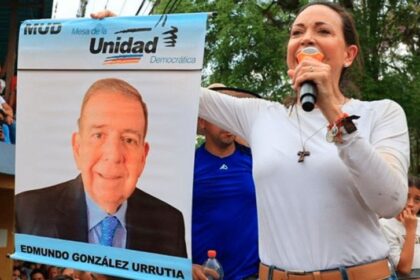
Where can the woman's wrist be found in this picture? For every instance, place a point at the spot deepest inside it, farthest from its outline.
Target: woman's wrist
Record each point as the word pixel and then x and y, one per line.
pixel 333 114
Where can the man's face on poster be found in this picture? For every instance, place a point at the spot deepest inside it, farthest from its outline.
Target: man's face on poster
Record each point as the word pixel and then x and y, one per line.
pixel 109 149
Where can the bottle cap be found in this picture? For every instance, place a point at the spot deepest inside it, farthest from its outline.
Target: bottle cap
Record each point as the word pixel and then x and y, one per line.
pixel 211 253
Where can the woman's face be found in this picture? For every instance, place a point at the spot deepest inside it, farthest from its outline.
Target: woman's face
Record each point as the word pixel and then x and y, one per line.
pixel 321 27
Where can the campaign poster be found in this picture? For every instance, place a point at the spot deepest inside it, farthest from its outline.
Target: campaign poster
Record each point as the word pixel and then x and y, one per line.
pixel 105 143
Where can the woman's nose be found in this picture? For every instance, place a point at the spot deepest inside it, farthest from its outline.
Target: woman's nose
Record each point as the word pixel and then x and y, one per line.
pixel 307 38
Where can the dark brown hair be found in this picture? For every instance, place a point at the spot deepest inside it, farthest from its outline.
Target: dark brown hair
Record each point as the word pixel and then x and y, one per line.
pixel 413 181
pixel 351 37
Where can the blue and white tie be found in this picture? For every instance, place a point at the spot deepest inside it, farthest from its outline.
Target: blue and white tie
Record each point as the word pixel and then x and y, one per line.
pixel 108 227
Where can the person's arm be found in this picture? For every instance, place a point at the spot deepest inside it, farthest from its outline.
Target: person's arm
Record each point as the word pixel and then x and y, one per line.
pixel 236 115
pixel 9 113
pixel 379 166
pixel 409 220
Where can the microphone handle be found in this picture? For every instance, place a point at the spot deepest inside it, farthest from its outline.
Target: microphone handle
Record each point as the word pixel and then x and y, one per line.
pixel 308 95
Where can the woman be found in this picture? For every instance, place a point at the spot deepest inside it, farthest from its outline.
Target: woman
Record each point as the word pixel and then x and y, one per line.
pixel 318 202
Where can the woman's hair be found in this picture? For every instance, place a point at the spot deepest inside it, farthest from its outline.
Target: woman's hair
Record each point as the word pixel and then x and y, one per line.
pixel 413 181
pixel 351 37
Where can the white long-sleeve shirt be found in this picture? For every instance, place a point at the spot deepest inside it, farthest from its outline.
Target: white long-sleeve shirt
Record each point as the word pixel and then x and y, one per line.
pixel 395 232
pixel 321 213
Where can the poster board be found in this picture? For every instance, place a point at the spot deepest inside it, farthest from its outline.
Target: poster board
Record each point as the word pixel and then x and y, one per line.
pixel 161 57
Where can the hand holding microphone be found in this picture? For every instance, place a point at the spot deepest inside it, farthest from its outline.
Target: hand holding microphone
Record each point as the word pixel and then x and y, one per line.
pixel 308 88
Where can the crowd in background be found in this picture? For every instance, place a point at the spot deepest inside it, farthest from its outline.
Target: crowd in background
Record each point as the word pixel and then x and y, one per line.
pixel 7 115
pixel 33 271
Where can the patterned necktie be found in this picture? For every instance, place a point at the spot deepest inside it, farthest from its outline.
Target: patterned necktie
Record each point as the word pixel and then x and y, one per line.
pixel 108 227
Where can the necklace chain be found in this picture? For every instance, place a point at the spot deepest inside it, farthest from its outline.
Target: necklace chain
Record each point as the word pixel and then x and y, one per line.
pixel 303 143
pixel 302 154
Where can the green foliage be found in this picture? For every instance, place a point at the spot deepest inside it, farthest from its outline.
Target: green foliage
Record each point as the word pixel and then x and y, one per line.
pixel 389 35
pixel 246 47
pixel 246 44
pixel 199 140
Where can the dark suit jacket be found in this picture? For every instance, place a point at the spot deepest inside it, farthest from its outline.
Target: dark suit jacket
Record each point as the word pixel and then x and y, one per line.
pixel 60 211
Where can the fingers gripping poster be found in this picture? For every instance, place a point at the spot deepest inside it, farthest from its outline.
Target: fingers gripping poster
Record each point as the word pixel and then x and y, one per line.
pixel 104 161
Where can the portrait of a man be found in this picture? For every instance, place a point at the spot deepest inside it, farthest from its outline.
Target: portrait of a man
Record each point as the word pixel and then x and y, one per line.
pixel 102 205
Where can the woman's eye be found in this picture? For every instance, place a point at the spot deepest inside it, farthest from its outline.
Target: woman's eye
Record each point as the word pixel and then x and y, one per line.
pixel 296 32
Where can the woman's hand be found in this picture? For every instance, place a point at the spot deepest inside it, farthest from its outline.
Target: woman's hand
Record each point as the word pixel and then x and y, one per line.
pixel 329 97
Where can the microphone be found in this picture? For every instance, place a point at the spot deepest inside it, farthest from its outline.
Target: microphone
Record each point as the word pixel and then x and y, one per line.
pixel 308 88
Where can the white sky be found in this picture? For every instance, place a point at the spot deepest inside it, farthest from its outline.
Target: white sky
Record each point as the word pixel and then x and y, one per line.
pixel 68 8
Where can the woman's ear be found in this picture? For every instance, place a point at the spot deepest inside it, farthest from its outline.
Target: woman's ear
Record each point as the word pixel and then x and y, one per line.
pixel 351 54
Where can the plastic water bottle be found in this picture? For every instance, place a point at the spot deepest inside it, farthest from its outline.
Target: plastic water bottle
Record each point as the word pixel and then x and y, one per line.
pixel 212 268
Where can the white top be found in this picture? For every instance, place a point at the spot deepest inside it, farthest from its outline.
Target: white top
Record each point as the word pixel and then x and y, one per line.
pixel 394 232
pixel 321 213
pixel 2 86
pixel 2 101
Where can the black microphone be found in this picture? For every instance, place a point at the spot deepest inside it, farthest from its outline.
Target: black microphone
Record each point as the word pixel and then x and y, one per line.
pixel 308 89
pixel 308 95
